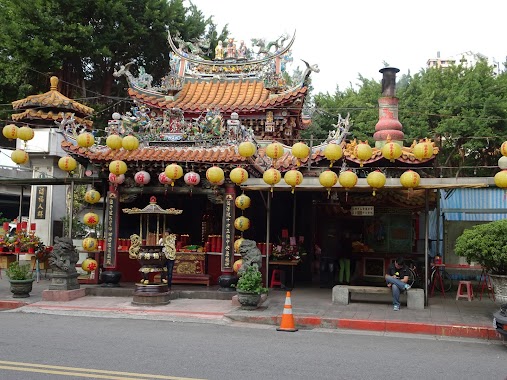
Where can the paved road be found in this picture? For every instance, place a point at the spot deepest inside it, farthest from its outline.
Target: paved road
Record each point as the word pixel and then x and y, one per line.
pixel 147 349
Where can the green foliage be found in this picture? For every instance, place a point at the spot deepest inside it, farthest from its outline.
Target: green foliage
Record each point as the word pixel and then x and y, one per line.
pixel 17 271
pixel 251 281
pixel 485 244
pixel 464 110
pixel 82 42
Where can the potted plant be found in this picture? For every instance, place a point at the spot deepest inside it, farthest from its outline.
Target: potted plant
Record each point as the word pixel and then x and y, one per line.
pixel 249 287
pixel 486 244
pixel 20 278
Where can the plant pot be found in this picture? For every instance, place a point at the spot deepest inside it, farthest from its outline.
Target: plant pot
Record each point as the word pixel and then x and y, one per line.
pixel 21 288
pixel 499 283
pixel 248 300
pixel 110 278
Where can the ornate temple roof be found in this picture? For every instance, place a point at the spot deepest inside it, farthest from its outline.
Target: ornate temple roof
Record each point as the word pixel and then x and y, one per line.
pixel 55 116
pixel 233 95
pixel 52 99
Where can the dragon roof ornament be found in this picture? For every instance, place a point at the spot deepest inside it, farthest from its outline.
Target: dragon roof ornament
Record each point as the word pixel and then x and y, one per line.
pixel 200 61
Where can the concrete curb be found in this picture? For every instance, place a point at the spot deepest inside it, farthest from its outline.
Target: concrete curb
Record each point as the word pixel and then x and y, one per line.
pixel 8 305
pixel 448 330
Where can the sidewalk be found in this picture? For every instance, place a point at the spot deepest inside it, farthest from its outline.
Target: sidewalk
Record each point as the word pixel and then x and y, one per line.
pixel 311 307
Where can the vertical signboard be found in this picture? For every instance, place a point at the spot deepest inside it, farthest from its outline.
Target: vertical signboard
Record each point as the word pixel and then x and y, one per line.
pixel 228 230
pixel 40 202
pixel 111 230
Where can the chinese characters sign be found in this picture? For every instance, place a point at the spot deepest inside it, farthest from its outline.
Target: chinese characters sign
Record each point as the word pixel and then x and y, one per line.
pixel 111 230
pixel 40 202
pixel 228 231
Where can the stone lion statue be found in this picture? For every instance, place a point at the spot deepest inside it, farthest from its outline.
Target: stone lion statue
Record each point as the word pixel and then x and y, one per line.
pixel 250 254
pixel 64 255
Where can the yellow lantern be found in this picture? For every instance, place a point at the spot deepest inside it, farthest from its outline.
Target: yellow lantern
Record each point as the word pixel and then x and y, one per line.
pixel 92 196
pixel 501 179
pixel 272 177
pixel 19 156
pixel 363 151
pixel 333 152
pixel 89 265
pixel 503 148
pixel 114 142
pixel 274 150
pixel 348 179
pixel 238 175
pixel 423 150
pixel 130 142
pixel 391 151
pixel 293 178
pixel 242 202
pixel 237 264
pixel 246 149
pixel 237 244
pixel 85 140
pixel 67 163
pixel 173 172
pixel 300 150
pixel 215 175
pixel 90 244
pixel 376 180
pixel 91 219
pixel 328 179
pixel 242 223
pixel 410 179
pixel 118 167
pixel 25 133
pixel 10 132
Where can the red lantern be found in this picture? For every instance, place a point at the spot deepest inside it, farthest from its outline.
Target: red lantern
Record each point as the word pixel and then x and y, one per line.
pixel 142 177
pixel 116 179
pixel 163 179
pixel 192 178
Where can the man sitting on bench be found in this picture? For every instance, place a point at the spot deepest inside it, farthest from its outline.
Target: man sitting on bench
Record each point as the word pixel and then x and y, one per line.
pixel 397 278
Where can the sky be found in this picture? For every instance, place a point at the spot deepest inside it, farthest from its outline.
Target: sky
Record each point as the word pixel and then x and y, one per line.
pixel 348 38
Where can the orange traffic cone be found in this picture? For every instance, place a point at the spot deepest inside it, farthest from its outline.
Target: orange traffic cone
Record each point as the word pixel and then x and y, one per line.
pixel 287 323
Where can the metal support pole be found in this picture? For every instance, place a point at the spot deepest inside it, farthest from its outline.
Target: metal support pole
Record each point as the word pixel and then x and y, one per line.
pixel 20 220
pixel 426 230
pixel 294 215
pixel 437 235
pixel 71 208
pixel 268 226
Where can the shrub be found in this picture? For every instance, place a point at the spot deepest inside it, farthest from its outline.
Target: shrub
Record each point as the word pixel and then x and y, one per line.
pixel 17 271
pixel 485 244
pixel 251 281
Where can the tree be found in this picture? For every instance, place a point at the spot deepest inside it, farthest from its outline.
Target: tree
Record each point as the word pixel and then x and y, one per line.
pixel 83 41
pixel 462 109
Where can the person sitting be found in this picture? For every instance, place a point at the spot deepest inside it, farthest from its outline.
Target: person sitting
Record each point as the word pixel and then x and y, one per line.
pixel 397 279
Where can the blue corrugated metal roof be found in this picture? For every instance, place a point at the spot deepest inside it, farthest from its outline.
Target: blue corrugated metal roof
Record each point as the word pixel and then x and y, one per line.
pixel 485 204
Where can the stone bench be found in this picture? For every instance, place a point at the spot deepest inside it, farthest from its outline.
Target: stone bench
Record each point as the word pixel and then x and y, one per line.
pixel 341 294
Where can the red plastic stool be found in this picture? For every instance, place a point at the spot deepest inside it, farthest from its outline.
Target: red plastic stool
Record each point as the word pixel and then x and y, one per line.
pixel 276 278
pixel 469 289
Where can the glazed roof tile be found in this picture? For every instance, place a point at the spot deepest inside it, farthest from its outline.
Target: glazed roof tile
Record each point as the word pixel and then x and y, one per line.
pixel 52 98
pixel 232 95
pixel 55 116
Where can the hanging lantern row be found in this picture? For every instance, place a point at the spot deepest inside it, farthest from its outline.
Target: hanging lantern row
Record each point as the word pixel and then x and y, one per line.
pixel 12 132
pixel 116 142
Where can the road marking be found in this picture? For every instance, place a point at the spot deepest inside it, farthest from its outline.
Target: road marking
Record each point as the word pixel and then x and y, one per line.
pixel 83 372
